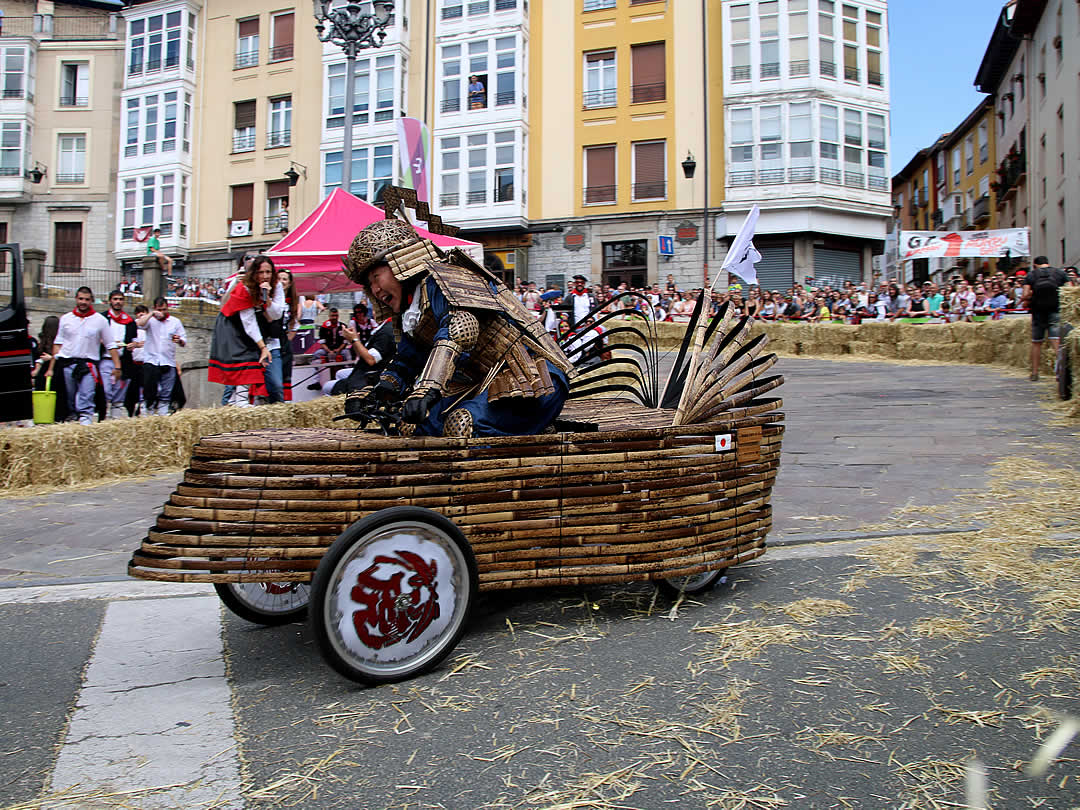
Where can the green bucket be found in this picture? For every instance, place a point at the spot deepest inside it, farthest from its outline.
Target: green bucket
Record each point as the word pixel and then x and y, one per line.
pixel 45 404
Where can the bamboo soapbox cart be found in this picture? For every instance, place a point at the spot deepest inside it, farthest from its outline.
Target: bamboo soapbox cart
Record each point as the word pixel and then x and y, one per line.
pixel 390 538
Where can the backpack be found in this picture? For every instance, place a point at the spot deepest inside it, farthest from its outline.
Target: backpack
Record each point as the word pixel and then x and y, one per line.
pixel 1044 288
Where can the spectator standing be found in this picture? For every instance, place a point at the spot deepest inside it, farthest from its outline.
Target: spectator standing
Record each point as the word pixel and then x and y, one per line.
pixel 917 307
pixel 477 100
pixel 1041 287
pixel 238 351
pixel 153 248
pixel 531 298
pixel 82 334
pixel 581 300
pixel 123 330
pixel 933 299
pixel 164 333
pixel 133 397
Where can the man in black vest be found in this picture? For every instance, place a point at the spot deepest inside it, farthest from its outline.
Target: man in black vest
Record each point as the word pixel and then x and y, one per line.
pixel 1041 297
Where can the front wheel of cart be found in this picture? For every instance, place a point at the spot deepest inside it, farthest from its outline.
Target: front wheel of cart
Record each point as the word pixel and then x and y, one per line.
pixel 690 585
pixel 268 603
pixel 392 596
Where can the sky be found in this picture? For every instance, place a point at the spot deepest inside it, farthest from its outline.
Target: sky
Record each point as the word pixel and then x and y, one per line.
pixel 936 47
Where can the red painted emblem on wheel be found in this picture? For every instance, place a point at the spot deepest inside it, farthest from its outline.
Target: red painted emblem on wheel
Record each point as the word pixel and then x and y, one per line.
pixel 391 614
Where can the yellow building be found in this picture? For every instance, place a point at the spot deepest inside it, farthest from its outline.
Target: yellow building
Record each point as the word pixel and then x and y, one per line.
pixel 610 127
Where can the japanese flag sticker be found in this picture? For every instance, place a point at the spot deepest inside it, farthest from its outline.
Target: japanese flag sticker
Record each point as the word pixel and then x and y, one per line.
pixel 723 442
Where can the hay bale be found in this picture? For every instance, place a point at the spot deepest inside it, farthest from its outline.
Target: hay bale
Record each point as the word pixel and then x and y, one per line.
pixel 65 454
pixel 829 339
pixel 877 331
pixel 862 347
pixel 1070 305
pixel 935 334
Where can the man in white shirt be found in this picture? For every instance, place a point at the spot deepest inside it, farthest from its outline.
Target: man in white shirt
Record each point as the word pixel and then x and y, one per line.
pixel 82 333
pixel 122 328
pixel 164 333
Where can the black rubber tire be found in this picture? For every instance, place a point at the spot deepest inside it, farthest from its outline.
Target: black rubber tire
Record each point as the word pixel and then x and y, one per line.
pixel 691 585
pixel 456 579
pixel 232 594
pixel 1064 366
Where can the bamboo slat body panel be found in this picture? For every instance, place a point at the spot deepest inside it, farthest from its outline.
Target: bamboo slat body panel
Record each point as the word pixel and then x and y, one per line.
pixel 638 499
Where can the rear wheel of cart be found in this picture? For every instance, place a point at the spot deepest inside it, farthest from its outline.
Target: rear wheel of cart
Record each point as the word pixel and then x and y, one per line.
pixel 1064 365
pixel 269 603
pixel 690 585
pixel 392 596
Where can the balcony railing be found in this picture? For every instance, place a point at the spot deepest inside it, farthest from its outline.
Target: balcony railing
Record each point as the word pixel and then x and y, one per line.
pixel 24 26
pixel 981 209
pixel 770 177
pixel 63 179
pixel 828 69
pixel 75 101
pixel 10 171
pixel 743 178
pixel 505 98
pixel 505 5
pixel 449 198
pixel 596 5
pixel 243 142
pixel 86 27
pixel 831 176
pixel 1010 173
pixel 598 98
pixel 599 194
pixel 640 93
pixel 878 183
pixel 799 67
pixel 279 53
pixel 475 197
pixel 875 78
pixel 740 73
pixel 274 139
pixel 451 105
pixel 275 223
pixel 770 70
pixel 247 59
pixel 653 190
pixel 504 193
pixel 172 60
pixel 854 179
pixel 18 92
pixel 851 74
pixel 937 219
pixel 452 12
pixel 479 7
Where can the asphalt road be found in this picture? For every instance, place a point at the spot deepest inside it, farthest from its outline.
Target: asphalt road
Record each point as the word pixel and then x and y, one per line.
pixel 860 663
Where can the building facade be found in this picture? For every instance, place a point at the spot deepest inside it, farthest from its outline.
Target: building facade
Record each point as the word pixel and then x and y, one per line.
pixel 61 66
pixel 806 106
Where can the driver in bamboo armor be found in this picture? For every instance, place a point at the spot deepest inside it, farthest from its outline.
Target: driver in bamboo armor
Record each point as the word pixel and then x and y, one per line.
pixel 471 360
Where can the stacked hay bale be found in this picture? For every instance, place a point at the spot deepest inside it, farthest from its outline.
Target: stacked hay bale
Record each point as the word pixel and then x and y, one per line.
pixel 54 455
pixel 1070 313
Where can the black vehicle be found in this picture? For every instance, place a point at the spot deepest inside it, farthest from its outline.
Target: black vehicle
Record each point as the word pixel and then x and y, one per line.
pixel 16 385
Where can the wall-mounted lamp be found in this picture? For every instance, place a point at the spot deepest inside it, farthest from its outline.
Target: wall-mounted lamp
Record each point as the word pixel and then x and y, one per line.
pixel 293 175
pixel 688 166
pixel 37 174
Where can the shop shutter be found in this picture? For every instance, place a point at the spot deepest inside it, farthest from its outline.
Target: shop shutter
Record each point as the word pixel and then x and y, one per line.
pixel 834 267
pixel 776 270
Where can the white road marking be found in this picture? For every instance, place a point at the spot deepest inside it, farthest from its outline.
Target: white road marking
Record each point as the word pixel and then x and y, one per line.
pixel 154 710
pixel 121 589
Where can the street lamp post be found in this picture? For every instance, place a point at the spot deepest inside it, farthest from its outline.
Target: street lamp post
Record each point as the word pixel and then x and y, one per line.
pixel 353 28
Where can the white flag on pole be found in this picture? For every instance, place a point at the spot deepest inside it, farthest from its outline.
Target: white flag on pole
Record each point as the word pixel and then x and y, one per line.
pixel 742 255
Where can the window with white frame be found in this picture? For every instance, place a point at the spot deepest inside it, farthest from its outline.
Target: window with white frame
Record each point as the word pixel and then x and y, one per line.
pixel 505 71
pixel 800 142
pixel 873 49
pixel 451 9
pixel 476 159
pixel 478 7
pixel 151 123
pixel 244 126
pixel 150 201
pixel 363 89
pixel 769 32
pixel 71 154
pixel 186 128
pixel 372 169
pixel 281 36
pixel 450 171
pixel 279 132
pixel 742 149
pixel 478 75
pixel 451 81
pixel 277 206
pixel 154 43
pixel 984 142
pixel 826 38
pixel 740 42
pixel 649 170
pixel 853 153
pixel 957 158
pixel 504 166
pixel 190 47
pixel 74 84
pixel 600 88
pixel 851 42
pixel 798 38
pixel 969 154
pixel 875 152
pixel 11 149
pixel 829 146
pixel 771 148
pixel 247 42
pixel 17 75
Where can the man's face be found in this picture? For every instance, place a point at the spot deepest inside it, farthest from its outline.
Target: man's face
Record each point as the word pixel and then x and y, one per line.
pixel 116 303
pixel 333 316
pixel 84 302
pixel 579 284
pixel 384 288
pixel 162 308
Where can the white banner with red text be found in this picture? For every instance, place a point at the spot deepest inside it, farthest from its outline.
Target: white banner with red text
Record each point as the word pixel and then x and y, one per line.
pixel 1012 242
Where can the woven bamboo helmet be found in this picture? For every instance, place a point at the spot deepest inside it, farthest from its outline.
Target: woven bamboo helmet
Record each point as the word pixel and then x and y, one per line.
pixel 372 245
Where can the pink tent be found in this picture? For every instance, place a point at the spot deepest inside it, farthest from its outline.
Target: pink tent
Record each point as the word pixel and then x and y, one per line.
pixel 313 250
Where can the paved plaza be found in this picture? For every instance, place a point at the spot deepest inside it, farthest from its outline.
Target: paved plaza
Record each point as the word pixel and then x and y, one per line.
pixel 918 610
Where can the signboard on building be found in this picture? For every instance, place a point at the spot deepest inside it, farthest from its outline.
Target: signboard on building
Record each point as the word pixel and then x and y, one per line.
pixel 938 244
pixel 665 245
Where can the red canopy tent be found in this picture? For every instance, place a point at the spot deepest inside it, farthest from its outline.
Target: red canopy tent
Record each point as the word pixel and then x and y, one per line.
pixel 313 250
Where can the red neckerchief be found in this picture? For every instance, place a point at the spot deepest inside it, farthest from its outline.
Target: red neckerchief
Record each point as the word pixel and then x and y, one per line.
pixel 239 299
pixel 331 325
pixel 90 312
pixel 575 292
pixel 123 318
pixel 166 316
